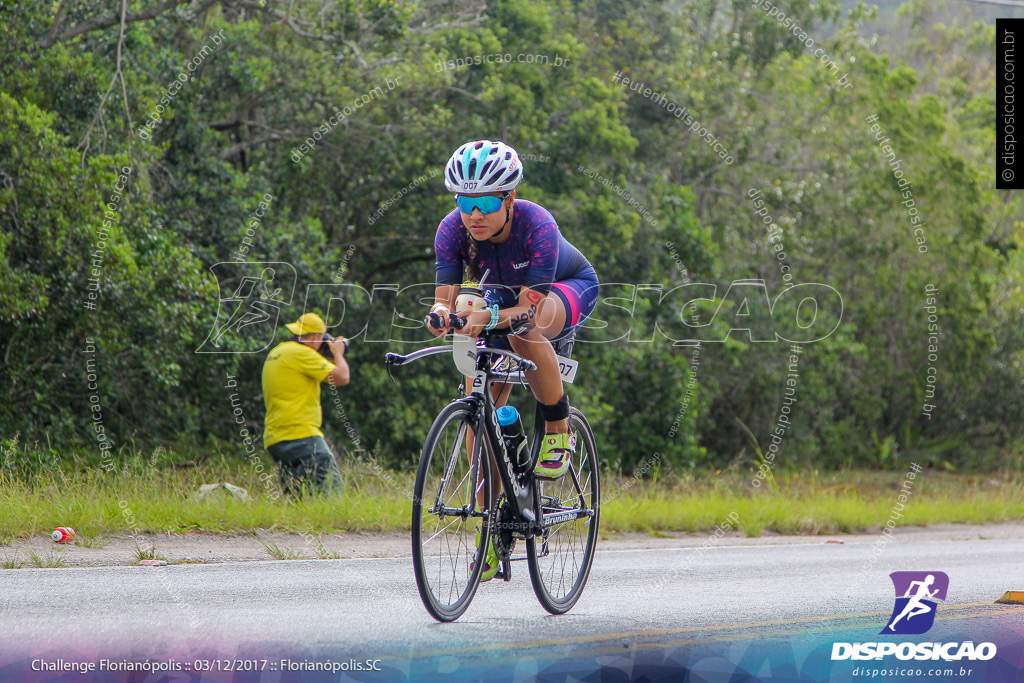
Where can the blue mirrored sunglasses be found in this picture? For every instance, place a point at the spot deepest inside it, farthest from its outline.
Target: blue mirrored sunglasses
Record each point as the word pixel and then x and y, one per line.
pixel 486 204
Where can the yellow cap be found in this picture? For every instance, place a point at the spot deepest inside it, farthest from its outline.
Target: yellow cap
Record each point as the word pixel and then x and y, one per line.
pixel 308 323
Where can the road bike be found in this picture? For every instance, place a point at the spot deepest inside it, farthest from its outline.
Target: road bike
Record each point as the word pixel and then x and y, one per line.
pixel 454 515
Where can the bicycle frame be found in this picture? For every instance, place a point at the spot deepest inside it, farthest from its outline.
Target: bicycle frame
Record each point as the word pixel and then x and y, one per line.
pixel 519 488
pixel 525 507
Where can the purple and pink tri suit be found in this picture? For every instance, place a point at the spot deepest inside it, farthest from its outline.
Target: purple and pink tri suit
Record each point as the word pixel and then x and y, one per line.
pixel 535 255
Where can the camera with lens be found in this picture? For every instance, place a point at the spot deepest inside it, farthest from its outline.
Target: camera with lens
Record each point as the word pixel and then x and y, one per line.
pixel 325 350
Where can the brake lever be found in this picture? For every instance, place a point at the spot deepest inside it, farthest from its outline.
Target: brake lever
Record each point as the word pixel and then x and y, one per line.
pixel 389 363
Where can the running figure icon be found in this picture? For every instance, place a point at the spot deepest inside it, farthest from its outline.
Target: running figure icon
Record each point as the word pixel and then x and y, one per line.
pixel 915 606
pixel 917 594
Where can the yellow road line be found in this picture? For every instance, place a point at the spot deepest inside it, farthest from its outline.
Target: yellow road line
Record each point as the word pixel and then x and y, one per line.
pixel 772 634
pixel 951 610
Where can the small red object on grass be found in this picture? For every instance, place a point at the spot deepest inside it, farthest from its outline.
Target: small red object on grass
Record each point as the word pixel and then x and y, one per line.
pixel 63 534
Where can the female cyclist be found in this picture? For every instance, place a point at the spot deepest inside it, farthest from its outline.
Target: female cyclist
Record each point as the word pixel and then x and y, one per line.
pixel 542 285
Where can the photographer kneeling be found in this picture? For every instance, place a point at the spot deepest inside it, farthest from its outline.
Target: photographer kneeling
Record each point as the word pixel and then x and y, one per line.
pixel 291 392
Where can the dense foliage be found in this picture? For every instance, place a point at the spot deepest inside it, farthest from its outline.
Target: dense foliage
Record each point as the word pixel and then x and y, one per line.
pixel 151 152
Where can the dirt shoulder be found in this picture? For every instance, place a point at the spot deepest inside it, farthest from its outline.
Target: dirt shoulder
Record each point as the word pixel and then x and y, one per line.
pixel 120 550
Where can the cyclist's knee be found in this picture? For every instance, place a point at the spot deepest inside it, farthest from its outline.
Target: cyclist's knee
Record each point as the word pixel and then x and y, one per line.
pixel 552 315
pixel 523 343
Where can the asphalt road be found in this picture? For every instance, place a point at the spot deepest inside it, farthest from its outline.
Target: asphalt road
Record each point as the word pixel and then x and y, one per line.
pixel 636 601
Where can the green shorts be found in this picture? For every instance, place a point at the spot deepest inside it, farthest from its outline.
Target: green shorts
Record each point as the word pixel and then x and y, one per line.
pixel 306 465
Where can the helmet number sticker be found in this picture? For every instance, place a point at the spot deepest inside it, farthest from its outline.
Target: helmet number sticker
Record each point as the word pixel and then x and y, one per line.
pixel 467 185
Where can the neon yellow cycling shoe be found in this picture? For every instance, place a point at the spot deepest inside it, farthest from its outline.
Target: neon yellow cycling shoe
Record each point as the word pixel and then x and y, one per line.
pixel 555 456
pixel 491 563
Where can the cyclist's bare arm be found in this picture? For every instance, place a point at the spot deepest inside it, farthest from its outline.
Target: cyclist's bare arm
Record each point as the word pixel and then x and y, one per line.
pixel 445 294
pixel 444 303
pixel 525 315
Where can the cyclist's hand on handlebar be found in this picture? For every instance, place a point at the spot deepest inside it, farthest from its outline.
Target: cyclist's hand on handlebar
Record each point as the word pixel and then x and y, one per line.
pixel 475 322
pixel 437 320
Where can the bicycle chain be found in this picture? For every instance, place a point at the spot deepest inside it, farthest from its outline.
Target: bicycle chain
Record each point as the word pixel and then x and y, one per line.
pixel 506 542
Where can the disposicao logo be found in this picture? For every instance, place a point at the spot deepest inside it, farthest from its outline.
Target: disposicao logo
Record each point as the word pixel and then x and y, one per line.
pixel 914 614
pixel 916 592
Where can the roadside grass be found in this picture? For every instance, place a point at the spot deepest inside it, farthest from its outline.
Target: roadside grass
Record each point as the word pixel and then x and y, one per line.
pixel 151 495
pixel 52 560
pixel 90 540
pixel 149 553
pixel 325 554
pixel 810 504
pixel 162 498
pixel 11 562
pixel 277 552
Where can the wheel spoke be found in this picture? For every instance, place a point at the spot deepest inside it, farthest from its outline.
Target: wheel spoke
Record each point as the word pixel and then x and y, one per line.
pixel 444 523
pixel 560 574
pixel 440 531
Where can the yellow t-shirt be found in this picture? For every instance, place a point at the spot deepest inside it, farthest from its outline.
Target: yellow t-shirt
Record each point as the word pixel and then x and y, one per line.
pixel 291 392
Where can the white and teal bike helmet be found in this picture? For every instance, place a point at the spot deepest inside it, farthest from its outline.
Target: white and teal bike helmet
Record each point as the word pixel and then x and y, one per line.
pixel 482 167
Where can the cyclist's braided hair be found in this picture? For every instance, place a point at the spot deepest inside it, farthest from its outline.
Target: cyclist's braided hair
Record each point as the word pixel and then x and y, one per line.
pixel 473 270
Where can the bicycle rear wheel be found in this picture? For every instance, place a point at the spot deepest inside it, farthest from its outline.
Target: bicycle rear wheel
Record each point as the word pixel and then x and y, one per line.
pixel 560 558
pixel 448 533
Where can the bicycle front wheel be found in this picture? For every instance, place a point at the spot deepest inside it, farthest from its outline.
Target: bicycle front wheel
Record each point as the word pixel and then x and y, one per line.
pixel 448 533
pixel 561 556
